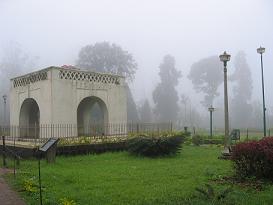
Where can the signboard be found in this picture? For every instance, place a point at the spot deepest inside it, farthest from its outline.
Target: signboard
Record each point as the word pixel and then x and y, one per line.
pixel 235 134
pixel 50 143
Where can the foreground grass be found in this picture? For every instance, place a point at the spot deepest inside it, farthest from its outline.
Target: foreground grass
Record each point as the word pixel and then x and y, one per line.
pixel 118 178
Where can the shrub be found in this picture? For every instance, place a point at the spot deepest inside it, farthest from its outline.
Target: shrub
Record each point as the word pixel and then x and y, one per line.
pixel 30 186
pixel 65 201
pixel 254 159
pixel 196 140
pixel 203 139
pixel 210 193
pixel 213 141
pixel 185 135
pixel 152 146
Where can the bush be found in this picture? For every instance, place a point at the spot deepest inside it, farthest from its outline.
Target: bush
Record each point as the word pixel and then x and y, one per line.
pixel 201 139
pixel 30 186
pixel 254 159
pixel 213 141
pixel 196 140
pixel 152 146
pixel 65 201
pixel 210 193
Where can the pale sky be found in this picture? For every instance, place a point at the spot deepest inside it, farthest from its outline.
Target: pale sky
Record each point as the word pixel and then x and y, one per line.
pixel 55 30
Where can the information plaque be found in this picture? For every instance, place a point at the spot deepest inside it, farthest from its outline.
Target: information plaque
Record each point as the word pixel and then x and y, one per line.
pixel 49 144
pixel 50 149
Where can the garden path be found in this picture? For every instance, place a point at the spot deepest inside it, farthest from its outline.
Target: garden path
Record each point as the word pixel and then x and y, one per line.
pixel 7 195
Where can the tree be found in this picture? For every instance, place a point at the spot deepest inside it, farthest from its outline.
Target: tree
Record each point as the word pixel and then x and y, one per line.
pixel 184 99
pixel 206 76
pixel 145 112
pixel 110 58
pixel 165 96
pixel 242 91
pixel 132 114
pixel 106 57
pixel 256 120
pixel 13 62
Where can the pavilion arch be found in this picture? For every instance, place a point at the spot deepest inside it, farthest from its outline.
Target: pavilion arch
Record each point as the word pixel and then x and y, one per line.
pixel 29 118
pixel 62 94
pixel 92 116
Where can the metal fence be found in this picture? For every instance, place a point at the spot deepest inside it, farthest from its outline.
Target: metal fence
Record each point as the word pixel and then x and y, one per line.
pixel 246 133
pixel 43 132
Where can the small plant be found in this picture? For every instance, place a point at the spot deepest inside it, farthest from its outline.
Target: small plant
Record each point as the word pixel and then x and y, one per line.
pixel 30 186
pixel 196 140
pixel 215 141
pixel 84 140
pixel 210 194
pixel 155 146
pixel 66 201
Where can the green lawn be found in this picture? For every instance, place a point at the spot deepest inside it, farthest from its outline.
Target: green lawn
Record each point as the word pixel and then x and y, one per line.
pixel 118 178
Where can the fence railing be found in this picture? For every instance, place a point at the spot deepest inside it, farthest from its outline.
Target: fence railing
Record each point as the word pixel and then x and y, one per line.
pixel 246 133
pixel 45 131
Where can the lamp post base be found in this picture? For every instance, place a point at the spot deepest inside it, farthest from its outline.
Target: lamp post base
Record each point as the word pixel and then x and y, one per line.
pixel 226 153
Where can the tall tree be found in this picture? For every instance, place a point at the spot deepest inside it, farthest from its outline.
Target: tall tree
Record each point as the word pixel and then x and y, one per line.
pixel 132 114
pixel 256 120
pixel 145 112
pixel 106 57
pixel 242 91
pixel 206 76
pixel 165 96
pixel 14 61
pixel 184 99
pixel 111 58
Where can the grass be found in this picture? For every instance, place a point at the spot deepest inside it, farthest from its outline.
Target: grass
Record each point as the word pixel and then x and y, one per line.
pixel 118 178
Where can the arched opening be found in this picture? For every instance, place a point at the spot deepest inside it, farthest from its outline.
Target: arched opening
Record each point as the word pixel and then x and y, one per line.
pixel 29 119
pixel 92 117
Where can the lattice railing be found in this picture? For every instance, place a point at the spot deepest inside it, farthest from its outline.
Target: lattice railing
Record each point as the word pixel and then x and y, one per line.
pixel 88 76
pixel 31 78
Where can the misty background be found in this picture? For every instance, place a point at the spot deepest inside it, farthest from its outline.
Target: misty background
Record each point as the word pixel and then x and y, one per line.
pixel 36 34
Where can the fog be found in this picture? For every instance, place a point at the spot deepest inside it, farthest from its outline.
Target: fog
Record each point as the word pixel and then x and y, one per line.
pixel 54 32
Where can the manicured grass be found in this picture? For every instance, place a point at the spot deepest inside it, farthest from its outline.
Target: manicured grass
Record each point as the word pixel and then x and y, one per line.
pixel 118 178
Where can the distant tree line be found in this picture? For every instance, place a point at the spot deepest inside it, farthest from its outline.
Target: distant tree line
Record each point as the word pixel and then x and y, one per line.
pixel 14 61
pixel 166 103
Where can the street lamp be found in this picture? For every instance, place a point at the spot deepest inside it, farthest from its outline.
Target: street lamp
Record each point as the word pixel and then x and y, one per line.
pixel 5 102
pixel 225 58
pixel 3 137
pixel 261 50
pixel 211 109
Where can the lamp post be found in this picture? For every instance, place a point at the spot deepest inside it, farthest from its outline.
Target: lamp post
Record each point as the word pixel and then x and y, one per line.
pixel 225 58
pixel 261 50
pixel 3 137
pixel 211 109
pixel 5 102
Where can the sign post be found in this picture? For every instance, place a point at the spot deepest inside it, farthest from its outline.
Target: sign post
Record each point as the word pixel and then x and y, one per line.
pixel 50 149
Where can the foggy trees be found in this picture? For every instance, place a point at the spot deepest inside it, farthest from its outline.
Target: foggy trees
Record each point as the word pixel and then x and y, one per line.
pixel 184 99
pixel 242 91
pixel 145 112
pixel 106 57
pixel 132 114
pixel 165 96
pixel 111 58
pixel 206 76
pixel 13 62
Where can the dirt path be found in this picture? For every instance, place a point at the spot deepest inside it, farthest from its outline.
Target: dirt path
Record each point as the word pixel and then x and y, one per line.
pixel 8 196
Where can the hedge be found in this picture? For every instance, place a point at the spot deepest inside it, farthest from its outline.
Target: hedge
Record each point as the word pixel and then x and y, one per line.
pixel 254 159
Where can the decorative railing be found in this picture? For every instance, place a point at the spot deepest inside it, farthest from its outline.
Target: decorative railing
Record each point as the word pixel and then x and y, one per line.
pixel 30 78
pixel 41 133
pixel 89 76
pixel 67 74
